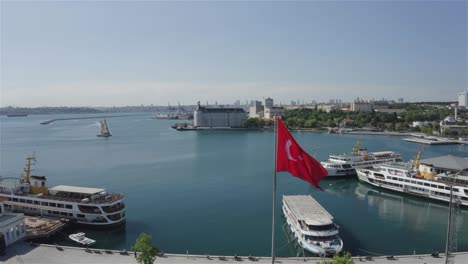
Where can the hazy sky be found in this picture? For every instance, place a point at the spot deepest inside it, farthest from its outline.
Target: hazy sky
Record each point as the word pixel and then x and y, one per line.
pixel 107 53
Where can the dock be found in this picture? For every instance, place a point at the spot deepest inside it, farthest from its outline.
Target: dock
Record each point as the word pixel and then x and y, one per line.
pixel 87 117
pixel 42 227
pixel 23 252
pixel 435 141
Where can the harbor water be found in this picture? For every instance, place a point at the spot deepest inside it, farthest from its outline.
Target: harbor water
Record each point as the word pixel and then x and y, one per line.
pixel 208 192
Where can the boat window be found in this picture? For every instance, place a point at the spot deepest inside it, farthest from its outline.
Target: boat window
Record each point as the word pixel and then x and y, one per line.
pixel 321 228
pixel 447 188
pixel 44 203
pixel 15 199
pixel 21 200
pixel 60 205
pixel 36 202
pixel 440 187
pixel 320 238
pixel 69 206
pixel 427 184
pixel 80 215
pixel 455 189
pixel 433 186
pixel 52 205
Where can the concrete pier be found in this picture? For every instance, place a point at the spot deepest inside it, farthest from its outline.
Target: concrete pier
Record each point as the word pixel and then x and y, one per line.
pixel 24 253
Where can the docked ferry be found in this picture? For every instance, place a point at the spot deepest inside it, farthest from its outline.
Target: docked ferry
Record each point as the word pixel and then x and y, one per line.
pixel 311 225
pixel 347 163
pixel 417 179
pixel 30 195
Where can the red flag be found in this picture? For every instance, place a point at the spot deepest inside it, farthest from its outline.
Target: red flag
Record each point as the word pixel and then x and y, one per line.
pixel 293 159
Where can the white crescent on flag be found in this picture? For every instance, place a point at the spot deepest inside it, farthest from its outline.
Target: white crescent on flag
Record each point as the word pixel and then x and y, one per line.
pixel 288 151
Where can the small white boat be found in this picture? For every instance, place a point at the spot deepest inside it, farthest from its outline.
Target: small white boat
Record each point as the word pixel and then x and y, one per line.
pixel 80 238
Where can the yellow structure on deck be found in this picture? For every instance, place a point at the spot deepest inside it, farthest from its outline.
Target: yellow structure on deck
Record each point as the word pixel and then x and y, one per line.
pixel 37 184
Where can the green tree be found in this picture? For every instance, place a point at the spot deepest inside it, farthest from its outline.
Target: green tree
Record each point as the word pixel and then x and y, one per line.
pixel 337 259
pixel 254 123
pixel 147 251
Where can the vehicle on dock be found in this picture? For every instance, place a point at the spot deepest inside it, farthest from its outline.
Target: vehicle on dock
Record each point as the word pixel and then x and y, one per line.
pixel 347 163
pixel 30 195
pixel 82 239
pixel 421 179
pixel 311 225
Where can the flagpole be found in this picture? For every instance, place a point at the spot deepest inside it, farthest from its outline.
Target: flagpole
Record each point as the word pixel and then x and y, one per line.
pixel 274 195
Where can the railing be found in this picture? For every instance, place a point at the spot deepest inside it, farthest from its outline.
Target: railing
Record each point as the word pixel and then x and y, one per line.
pixel 109 198
pixel 113 208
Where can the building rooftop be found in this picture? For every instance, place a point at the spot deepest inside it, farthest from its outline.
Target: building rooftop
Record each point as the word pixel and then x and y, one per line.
pixel 304 207
pixel 75 189
pixel 220 110
pixel 448 162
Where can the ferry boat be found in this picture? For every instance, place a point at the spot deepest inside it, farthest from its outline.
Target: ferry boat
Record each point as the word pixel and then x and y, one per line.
pixel 418 179
pixel 30 195
pixel 347 163
pixel 311 225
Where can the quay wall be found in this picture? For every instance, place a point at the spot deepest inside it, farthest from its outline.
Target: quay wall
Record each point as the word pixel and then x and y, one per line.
pixel 41 254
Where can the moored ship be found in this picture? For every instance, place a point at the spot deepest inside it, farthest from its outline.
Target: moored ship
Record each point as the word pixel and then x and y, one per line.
pixel 347 163
pixel 420 179
pixel 311 225
pixel 30 195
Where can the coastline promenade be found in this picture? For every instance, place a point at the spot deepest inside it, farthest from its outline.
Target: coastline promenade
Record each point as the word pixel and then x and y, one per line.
pixel 24 253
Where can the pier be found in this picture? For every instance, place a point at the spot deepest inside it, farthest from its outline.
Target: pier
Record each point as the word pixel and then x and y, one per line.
pixel 23 252
pixel 436 141
pixel 41 227
pixel 87 117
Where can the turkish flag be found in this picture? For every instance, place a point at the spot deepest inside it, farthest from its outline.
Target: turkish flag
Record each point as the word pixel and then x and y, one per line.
pixel 293 159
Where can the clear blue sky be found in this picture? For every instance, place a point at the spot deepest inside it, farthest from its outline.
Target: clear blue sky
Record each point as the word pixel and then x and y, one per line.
pixel 130 53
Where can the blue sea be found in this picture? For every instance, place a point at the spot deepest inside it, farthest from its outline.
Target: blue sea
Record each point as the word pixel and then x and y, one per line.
pixel 208 192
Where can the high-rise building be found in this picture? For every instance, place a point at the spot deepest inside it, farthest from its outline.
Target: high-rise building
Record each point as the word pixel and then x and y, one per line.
pixel 401 100
pixel 463 99
pixel 268 102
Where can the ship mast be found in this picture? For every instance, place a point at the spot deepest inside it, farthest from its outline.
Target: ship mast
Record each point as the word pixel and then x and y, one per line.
pixel 28 167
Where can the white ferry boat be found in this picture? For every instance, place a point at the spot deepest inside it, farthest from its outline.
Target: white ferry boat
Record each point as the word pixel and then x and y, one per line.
pixel 347 163
pixel 91 206
pixel 312 225
pixel 424 181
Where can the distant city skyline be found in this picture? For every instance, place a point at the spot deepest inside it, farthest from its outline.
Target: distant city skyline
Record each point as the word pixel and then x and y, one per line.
pixel 132 53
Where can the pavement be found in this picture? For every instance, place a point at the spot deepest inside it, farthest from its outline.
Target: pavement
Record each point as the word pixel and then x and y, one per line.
pixel 24 253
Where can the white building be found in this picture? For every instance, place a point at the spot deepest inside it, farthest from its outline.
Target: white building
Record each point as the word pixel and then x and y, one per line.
pixel 268 102
pixel 327 107
pixel 421 124
pixel 256 111
pixel 273 111
pixel 218 117
pixel 12 226
pixel 463 99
